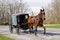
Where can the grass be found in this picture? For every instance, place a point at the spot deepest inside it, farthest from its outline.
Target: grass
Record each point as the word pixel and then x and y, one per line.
pixel 55 26
pixel 52 26
pixel 5 38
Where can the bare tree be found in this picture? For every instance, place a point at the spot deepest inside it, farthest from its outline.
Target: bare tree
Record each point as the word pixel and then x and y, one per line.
pixel 8 8
pixel 53 12
pixel 56 7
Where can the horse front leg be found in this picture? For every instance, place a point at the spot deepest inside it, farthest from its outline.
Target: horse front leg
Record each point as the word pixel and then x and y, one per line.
pixel 44 29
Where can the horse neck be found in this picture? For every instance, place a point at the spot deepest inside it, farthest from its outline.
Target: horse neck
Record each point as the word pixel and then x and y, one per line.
pixel 39 15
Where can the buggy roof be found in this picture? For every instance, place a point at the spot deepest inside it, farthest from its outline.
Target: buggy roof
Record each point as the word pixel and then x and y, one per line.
pixel 19 14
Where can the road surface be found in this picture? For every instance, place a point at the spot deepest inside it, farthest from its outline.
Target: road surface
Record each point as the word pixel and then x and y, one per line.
pixel 51 34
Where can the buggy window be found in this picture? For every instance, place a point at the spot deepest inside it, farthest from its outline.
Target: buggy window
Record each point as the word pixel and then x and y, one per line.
pixel 22 18
pixel 26 17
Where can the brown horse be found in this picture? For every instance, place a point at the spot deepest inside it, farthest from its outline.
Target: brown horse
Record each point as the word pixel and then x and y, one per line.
pixel 37 21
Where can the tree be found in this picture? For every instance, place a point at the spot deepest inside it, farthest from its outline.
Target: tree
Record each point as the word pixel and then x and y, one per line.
pixel 8 8
pixel 53 12
pixel 56 10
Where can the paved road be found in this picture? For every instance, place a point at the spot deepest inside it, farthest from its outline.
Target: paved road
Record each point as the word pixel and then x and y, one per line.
pixel 51 34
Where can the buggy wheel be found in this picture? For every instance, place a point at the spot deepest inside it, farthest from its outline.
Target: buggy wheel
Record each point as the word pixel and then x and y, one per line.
pixel 11 29
pixel 17 31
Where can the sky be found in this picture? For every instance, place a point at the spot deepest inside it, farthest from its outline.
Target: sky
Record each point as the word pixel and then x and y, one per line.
pixel 36 5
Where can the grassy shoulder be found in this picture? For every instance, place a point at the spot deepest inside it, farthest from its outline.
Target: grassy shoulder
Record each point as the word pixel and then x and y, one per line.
pixel 56 26
pixel 5 38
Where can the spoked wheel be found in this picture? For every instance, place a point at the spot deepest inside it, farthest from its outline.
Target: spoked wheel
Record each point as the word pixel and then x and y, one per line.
pixel 17 31
pixel 11 29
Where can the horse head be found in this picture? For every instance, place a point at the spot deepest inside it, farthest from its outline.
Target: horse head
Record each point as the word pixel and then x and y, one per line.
pixel 42 14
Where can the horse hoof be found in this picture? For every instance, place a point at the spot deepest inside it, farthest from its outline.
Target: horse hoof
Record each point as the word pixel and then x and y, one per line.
pixel 32 31
pixel 44 33
pixel 35 34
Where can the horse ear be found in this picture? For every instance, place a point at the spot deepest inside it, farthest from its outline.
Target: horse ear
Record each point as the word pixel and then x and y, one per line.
pixel 40 10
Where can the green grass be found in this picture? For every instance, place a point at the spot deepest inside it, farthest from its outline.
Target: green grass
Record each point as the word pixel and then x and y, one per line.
pixel 5 38
pixel 52 26
pixel 56 26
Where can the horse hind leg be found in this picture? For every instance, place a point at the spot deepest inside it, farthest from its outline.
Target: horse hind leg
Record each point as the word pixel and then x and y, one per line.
pixel 30 29
pixel 35 31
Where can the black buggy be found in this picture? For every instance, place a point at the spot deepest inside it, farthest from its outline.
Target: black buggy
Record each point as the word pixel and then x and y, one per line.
pixel 19 21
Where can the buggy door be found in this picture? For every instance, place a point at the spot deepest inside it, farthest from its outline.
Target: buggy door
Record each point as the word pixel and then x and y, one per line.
pixel 22 21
